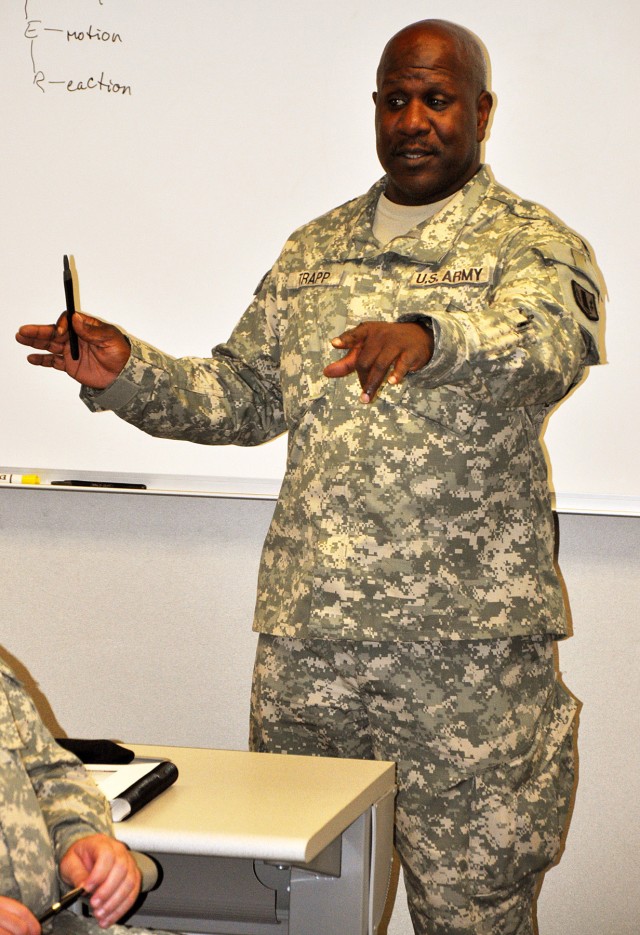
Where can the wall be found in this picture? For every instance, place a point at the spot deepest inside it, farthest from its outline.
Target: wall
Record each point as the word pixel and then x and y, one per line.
pixel 176 199
pixel 130 617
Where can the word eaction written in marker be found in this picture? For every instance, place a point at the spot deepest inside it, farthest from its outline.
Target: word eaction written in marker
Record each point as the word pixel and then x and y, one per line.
pixel 93 84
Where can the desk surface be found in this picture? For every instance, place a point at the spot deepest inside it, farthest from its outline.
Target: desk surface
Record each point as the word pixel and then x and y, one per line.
pixel 231 803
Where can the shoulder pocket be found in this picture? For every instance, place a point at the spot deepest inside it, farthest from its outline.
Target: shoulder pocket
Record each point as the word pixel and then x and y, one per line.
pixel 582 291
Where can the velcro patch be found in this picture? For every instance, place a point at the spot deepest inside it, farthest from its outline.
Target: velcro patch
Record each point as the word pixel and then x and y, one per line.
pixel 458 276
pixel 585 300
pixel 314 277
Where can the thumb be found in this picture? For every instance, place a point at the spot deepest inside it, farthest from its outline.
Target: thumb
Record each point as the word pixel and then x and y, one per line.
pixel 72 869
pixel 90 328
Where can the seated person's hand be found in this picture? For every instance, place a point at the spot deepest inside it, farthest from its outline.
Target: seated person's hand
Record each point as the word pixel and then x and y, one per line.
pixel 106 869
pixel 16 919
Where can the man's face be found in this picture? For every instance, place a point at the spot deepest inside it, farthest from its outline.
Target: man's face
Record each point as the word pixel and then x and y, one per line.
pixel 430 117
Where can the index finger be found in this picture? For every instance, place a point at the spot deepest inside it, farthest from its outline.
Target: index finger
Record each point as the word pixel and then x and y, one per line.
pixel 42 337
pixel 344 366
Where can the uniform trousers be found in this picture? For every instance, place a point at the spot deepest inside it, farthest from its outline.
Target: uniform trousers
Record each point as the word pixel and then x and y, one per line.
pixel 482 736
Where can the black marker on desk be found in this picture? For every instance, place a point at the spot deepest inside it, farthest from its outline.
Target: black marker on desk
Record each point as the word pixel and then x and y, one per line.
pixel 63 903
pixel 97 483
pixel 71 307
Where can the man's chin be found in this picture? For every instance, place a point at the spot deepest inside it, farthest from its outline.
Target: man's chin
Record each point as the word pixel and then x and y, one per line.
pixel 414 190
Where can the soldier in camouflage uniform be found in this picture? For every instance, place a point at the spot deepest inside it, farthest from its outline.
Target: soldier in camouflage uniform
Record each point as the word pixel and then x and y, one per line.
pixel 55 830
pixel 407 600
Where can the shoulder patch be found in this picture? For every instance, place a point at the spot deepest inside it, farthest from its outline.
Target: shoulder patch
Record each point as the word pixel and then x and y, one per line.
pixel 585 300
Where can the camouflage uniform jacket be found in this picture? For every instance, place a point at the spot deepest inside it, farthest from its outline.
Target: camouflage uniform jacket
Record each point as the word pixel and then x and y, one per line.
pixel 426 514
pixel 48 801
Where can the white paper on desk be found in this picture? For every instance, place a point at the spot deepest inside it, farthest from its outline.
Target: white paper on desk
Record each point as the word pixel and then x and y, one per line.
pixel 113 779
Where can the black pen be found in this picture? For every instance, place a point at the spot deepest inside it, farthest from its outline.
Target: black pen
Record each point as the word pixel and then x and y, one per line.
pixel 97 483
pixel 71 307
pixel 63 903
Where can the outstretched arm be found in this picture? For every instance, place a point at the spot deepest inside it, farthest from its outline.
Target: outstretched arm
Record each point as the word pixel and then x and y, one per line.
pixel 104 350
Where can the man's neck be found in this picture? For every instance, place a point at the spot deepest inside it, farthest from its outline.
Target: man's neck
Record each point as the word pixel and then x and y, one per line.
pixel 393 220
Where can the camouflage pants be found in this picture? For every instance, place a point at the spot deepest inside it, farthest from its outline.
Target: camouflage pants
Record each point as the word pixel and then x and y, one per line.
pixel 481 733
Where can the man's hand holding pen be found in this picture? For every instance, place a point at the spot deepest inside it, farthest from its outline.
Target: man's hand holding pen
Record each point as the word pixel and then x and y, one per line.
pixel 105 868
pixel 102 349
pixel 97 865
pixel 91 351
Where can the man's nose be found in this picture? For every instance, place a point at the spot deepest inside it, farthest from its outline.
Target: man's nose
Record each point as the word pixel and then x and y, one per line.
pixel 415 118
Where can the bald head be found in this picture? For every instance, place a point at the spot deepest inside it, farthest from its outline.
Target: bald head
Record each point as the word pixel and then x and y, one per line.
pixel 467 47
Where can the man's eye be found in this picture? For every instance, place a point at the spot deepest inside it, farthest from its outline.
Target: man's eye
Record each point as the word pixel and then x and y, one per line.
pixel 437 103
pixel 395 102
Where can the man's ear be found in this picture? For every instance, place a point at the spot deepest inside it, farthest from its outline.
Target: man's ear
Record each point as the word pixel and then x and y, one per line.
pixel 485 103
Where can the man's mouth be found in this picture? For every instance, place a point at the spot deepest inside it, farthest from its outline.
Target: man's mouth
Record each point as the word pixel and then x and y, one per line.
pixel 413 155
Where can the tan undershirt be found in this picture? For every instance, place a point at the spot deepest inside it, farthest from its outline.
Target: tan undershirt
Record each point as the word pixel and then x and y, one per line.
pixel 393 220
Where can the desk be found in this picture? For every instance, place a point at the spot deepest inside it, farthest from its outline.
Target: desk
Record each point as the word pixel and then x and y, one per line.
pixel 262 843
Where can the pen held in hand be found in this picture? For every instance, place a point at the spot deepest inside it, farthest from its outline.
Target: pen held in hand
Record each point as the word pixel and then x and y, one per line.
pixel 71 307
pixel 63 903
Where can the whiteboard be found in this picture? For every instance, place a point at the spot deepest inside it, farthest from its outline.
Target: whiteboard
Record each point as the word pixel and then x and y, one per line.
pixel 170 148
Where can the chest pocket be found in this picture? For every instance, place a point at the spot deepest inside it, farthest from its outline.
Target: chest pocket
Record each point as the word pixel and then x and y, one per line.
pixel 458 285
pixel 314 309
pixel 449 407
pixel 463 288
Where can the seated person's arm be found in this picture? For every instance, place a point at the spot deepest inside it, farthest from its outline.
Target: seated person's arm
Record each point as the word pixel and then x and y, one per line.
pixel 78 819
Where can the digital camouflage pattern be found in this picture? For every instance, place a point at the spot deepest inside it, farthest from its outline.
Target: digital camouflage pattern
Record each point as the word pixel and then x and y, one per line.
pixel 48 801
pixel 426 514
pixel 481 733
pixel 407 593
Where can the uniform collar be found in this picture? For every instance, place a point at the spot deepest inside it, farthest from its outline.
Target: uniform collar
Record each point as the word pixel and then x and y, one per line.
pixel 426 243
